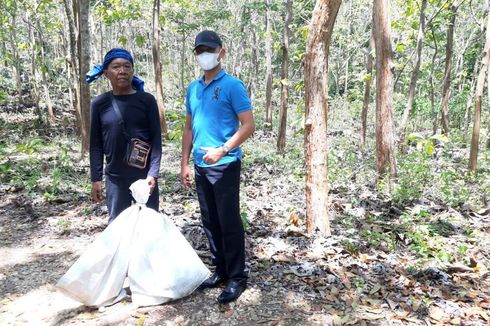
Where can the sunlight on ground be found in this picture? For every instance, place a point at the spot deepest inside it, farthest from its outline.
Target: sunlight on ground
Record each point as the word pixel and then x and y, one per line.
pixel 32 308
pixel 13 256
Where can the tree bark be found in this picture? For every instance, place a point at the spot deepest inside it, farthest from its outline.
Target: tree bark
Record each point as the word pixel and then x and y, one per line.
pixel 367 90
pixel 435 115
pixel 385 149
pixel 469 101
pixel 268 65
pixel 15 55
pixel 73 62
pixel 316 112
pixel 44 70
pixel 281 138
pixel 84 65
pixel 488 95
pixel 35 81
pixel 182 64
pixel 446 88
pixel 472 166
pixel 415 72
pixel 157 65
pixel 347 53
pixel 254 68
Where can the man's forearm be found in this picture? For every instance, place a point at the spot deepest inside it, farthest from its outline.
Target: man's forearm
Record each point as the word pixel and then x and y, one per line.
pixel 186 146
pixel 240 136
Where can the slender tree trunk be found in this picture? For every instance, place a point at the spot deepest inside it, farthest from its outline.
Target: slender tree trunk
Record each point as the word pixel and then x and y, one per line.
pixel 435 115
pixel 469 101
pixel 35 81
pixel 385 149
pixel 346 80
pixel 182 65
pixel 15 55
pixel 415 72
pixel 472 166
pixel 347 53
pixel 488 95
pixel 44 70
pixel 157 65
pixel 281 138
pixel 84 65
pixel 316 112
pixel 367 90
pixel 254 68
pixel 73 62
pixel 460 62
pixel 336 76
pixel 268 65
pixel 446 88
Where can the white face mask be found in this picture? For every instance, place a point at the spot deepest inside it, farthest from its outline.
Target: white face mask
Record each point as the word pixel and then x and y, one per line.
pixel 208 60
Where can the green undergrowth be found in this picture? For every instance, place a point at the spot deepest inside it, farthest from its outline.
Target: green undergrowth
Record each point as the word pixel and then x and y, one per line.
pixel 49 168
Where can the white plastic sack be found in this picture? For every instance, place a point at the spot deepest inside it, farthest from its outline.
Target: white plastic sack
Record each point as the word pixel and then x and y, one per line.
pixel 146 247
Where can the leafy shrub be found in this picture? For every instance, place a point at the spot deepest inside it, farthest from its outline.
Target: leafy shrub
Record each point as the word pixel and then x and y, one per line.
pixel 3 96
pixel 413 176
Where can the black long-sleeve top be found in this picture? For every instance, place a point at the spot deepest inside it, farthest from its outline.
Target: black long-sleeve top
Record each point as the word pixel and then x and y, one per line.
pixel 140 114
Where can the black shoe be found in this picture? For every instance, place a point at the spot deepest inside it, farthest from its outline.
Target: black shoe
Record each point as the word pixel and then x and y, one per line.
pixel 213 281
pixel 232 291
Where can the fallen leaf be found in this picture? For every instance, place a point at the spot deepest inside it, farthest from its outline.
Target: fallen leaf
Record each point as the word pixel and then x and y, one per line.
pixel 436 313
pixel 294 219
pixel 370 316
pixel 392 304
pixel 283 258
pixel 375 288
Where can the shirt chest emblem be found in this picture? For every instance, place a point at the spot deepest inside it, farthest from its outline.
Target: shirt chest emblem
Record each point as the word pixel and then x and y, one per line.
pixel 216 92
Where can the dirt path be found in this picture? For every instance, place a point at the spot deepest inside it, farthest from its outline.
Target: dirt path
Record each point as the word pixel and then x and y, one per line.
pixel 295 279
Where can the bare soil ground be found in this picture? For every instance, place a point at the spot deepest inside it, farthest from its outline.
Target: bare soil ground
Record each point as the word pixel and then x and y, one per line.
pixel 295 278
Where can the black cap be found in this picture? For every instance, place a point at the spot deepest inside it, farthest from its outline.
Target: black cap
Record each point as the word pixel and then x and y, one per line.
pixel 207 38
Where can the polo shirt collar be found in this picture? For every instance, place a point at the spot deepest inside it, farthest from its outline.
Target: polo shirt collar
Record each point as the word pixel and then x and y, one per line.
pixel 218 76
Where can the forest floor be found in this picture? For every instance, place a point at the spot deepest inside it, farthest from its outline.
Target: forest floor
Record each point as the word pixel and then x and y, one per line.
pixel 377 268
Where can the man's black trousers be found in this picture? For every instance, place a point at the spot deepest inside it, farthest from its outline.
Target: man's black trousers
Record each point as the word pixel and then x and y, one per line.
pixel 218 190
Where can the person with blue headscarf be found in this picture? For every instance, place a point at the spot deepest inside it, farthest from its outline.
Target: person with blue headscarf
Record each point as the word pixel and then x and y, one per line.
pixel 110 132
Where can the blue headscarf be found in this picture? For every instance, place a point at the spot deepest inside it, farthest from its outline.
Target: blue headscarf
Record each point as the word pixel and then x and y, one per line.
pixel 97 71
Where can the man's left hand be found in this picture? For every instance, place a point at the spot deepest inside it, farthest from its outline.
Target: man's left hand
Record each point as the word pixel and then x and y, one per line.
pixel 152 182
pixel 213 154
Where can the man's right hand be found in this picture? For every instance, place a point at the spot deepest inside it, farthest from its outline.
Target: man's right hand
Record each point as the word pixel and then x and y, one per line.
pixel 97 191
pixel 186 176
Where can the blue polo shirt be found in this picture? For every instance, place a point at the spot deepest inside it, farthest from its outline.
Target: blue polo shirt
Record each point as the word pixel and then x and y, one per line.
pixel 214 109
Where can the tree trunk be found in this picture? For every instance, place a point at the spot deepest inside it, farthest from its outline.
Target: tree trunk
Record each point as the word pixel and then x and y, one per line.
pixel 157 65
pixel 316 112
pixel 84 65
pixel 16 58
pixel 488 95
pixel 435 115
pixel 281 137
pixel 367 90
pixel 44 70
pixel 385 149
pixel 469 101
pixel 268 65
pixel 35 81
pixel 478 99
pixel 347 53
pixel 72 60
pixel 446 88
pixel 415 72
pixel 182 65
pixel 254 68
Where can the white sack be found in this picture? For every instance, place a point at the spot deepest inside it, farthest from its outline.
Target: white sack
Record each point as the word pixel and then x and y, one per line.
pixel 146 247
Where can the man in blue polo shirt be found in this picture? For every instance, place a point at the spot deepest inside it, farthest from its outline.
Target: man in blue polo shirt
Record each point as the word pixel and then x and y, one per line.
pixel 219 119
